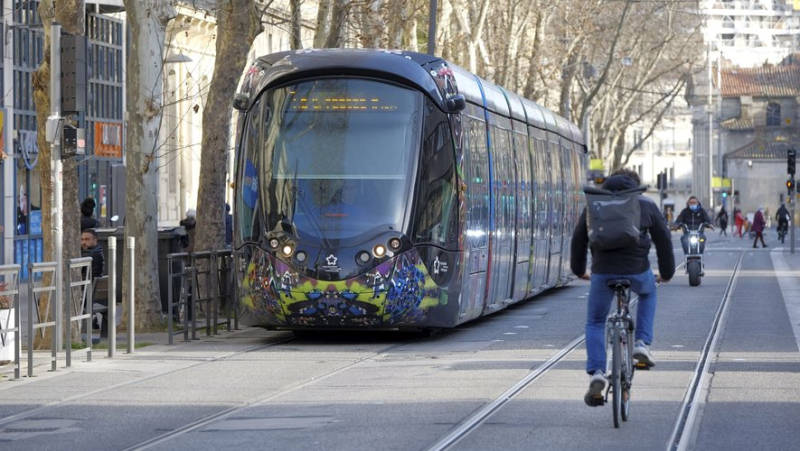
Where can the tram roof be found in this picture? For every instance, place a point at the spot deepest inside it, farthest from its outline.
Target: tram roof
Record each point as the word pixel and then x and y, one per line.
pixel 400 66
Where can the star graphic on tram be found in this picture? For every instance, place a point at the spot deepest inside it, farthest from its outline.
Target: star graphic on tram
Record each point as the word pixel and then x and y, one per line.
pixel 331 260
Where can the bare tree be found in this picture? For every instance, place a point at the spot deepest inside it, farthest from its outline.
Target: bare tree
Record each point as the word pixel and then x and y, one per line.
pixel 238 23
pixel 338 20
pixel 323 23
pixel 148 20
pixel 373 25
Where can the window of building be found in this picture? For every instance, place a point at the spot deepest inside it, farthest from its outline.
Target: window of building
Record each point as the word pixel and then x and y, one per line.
pixel 773 114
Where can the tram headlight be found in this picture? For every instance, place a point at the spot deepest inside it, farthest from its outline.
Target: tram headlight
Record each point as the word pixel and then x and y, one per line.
pixel 363 257
pixel 379 251
pixel 395 243
pixel 287 250
pixel 693 240
pixel 301 257
pixel 273 243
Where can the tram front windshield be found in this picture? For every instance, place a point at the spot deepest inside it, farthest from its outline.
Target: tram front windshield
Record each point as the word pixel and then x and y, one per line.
pixel 338 156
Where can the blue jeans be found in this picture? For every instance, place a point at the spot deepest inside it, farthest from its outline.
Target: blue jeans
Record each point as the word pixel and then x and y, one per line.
pixel 600 299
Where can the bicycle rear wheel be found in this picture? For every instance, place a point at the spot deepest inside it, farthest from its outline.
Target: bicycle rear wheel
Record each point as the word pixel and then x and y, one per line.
pixel 616 375
pixel 627 374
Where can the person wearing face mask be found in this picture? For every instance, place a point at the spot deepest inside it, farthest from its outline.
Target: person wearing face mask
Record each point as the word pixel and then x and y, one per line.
pixel 693 216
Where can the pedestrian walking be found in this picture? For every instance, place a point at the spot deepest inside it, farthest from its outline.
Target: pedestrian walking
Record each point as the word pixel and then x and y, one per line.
pixel 758 227
pixel 738 221
pixel 722 219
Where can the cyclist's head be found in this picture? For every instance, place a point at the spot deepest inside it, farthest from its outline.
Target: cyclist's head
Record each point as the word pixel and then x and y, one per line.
pixel 633 175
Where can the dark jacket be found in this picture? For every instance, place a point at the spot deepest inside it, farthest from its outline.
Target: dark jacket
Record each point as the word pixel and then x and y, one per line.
pixel 693 219
pixel 629 260
pixel 758 222
pixel 98 260
pixel 783 214
pixel 189 224
pixel 88 222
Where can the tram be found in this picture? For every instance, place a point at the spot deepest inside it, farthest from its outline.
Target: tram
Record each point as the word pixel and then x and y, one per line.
pixel 388 189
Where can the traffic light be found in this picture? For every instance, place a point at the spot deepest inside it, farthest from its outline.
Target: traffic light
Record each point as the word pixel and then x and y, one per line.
pixel 790 161
pixel 790 186
pixel 75 73
pixel 661 181
pixel 724 194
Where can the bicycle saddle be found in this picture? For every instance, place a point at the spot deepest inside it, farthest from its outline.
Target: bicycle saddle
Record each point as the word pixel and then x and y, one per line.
pixel 622 283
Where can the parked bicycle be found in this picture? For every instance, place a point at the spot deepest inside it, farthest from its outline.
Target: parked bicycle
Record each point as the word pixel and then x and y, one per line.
pixel 620 337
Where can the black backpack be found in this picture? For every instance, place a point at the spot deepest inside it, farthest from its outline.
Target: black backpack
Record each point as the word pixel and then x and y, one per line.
pixel 613 217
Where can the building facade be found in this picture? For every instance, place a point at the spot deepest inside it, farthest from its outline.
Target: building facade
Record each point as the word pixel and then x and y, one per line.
pixel 21 178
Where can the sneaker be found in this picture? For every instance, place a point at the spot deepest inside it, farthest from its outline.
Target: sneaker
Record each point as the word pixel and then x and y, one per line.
pixel 641 352
pixel 594 397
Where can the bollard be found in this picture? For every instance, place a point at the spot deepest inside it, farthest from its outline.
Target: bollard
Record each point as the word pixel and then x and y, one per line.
pixel 131 247
pixel 112 295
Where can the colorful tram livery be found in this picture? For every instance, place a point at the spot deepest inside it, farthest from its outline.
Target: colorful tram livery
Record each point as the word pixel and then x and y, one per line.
pixel 390 189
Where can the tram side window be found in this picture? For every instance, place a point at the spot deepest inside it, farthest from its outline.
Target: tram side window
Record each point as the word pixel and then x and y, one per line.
pixel 478 215
pixel 436 218
pixel 248 184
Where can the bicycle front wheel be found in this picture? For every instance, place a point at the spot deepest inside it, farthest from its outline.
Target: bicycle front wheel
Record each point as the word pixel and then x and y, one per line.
pixel 616 374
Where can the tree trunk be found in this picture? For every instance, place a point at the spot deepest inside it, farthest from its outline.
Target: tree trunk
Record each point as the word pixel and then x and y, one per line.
pixel 237 26
pixel 374 26
pixel 323 25
pixel 296 40
pixel 335 39
pixel 144 66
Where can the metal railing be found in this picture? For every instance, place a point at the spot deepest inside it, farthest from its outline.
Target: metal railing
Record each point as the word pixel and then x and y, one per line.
pixel 206 290
pixel 80 308
pixel 50 310
pixel 12 272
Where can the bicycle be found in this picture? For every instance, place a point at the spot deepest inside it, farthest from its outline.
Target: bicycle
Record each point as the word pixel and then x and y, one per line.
pixel 783 228
pixel 620 337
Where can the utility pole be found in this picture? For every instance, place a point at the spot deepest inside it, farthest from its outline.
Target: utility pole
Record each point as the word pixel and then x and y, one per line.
pixel 53 132
pixel 790 169
pixel 432 27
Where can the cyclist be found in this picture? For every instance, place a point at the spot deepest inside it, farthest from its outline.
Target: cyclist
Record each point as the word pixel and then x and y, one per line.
pixel 631 263
pixel 693 216
pixel 783 218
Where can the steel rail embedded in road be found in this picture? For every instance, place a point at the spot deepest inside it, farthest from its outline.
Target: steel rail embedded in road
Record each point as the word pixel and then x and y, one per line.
pixel 488 410
pixel 687 416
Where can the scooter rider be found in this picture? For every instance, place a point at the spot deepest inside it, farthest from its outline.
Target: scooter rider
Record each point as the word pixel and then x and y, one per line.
pixel 693 216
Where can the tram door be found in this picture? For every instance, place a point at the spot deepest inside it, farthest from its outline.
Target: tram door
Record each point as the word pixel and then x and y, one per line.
pixel 477 223
pixel 557 210
pixel 503 214
pixel 541 186
pixel 522 252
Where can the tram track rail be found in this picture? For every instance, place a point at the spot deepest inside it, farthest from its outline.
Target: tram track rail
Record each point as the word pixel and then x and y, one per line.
pixel 688 415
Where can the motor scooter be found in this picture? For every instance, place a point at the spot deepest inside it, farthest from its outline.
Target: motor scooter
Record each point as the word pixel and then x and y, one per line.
pixel 695 266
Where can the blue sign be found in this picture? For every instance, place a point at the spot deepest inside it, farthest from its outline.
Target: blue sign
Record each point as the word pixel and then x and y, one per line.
pixel 36 222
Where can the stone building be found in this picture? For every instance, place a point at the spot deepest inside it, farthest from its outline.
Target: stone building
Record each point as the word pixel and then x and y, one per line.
pixel 758 118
